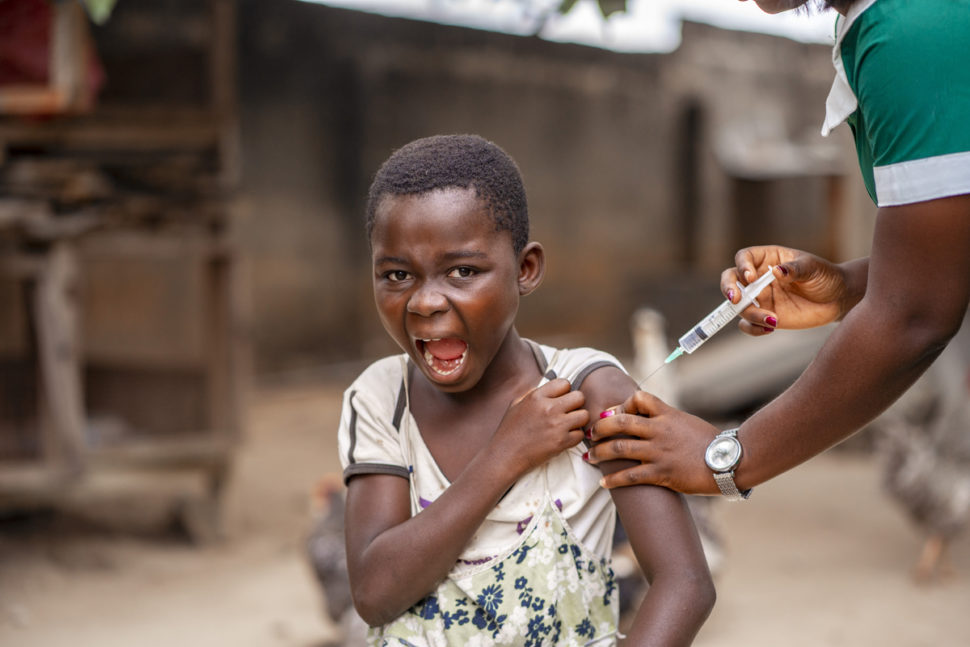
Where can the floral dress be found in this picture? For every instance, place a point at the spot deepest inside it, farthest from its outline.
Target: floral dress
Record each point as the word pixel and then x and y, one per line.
pixel 549 590
pixel 537 572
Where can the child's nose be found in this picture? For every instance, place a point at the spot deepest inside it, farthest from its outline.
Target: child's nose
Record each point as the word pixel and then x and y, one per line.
pixel 427 300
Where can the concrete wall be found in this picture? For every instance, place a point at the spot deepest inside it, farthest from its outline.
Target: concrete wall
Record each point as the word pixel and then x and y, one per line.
pixel 626 160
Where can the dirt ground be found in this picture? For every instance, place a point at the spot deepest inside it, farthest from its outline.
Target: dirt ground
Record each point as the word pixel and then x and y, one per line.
pixel 817 557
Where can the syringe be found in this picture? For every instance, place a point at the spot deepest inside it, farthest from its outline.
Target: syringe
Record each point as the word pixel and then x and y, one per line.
pixel 720 317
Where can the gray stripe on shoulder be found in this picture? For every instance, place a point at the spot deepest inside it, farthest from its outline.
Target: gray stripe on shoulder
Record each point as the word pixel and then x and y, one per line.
pixel 353 429
pixel 375 468
pixel 583 374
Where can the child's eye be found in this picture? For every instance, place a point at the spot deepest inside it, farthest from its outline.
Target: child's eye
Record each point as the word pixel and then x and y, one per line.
pixel 462 272
pixel 396 276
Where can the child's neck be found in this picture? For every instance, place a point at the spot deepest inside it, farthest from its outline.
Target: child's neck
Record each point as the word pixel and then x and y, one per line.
pixel 456 426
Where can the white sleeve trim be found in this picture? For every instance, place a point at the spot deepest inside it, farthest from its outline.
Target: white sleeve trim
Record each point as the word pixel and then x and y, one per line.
pixel 923 179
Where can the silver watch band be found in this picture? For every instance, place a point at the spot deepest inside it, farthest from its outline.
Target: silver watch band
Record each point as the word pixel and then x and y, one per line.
pixel 725 483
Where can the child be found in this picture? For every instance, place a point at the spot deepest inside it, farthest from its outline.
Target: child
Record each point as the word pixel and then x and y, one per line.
pixel 472 516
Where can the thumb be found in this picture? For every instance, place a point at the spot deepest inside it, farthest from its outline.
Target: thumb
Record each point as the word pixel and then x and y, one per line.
pixel 798 269
pixel 642 403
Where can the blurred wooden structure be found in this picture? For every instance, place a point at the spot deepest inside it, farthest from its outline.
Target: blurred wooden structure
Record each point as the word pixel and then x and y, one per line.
pixel 122 355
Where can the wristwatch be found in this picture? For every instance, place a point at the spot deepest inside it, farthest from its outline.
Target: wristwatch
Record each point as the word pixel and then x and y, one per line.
pixel 722 456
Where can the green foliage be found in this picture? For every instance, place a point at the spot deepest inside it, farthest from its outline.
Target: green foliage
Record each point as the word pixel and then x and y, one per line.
pixel 99 10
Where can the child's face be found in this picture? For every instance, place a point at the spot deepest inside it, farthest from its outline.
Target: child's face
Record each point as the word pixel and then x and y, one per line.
pixel 446 283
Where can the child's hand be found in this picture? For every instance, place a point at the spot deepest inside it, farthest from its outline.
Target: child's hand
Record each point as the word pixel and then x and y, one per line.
pixel 542 423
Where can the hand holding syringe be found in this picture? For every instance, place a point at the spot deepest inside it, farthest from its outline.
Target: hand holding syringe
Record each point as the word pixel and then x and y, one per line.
pixel 712 323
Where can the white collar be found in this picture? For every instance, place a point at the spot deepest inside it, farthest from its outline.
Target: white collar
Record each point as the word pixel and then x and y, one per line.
pixel 841 101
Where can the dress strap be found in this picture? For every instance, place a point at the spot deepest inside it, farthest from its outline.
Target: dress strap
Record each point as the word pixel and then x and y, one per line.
pixel 405 430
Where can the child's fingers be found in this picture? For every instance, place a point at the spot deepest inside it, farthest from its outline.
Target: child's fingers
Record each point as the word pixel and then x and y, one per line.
pixel 551 389
pixel 578 420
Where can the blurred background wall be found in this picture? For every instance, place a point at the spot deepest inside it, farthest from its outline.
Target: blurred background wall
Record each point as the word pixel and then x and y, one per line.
pixel 645 172
pixel 182 186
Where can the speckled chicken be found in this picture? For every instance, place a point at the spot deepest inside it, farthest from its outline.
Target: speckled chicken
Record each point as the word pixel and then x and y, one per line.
pixel 924 441
pixel 327 554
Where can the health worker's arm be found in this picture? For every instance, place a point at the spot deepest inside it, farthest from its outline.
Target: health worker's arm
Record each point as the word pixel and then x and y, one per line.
pixel 664 539
pixel 394 559
pixel 917 289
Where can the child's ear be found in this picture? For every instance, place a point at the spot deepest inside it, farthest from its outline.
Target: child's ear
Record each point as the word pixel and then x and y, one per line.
pixel 532 267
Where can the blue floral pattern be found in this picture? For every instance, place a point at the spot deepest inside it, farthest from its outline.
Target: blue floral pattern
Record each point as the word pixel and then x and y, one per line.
pixel 548 591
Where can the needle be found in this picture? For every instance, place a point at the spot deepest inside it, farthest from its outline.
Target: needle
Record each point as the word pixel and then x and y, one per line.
pixel 647 378
pixel 674 355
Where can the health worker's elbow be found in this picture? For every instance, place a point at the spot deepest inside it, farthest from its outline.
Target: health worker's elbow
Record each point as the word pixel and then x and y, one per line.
pixel 928 336
pixel 919 329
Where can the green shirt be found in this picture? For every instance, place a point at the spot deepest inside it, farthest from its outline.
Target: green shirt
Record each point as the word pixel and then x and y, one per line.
pixel 907 63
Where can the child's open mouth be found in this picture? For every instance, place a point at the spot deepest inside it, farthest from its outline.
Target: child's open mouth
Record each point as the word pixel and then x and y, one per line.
pixel 443 356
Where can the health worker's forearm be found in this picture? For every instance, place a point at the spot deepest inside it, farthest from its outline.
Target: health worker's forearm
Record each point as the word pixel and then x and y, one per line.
pixel 857 375
pixel 917 288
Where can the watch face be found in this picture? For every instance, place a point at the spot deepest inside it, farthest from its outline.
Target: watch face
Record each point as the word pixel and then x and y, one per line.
pixel 723 453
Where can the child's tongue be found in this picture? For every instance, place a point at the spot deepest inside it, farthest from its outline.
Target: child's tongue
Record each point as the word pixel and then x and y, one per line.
pixel 444 355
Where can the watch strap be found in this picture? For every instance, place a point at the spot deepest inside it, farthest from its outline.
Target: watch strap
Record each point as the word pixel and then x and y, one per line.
pixel 725 480
pixel 727 486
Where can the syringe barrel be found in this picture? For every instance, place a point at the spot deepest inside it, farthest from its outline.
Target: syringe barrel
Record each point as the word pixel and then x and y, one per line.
pixel 708 326
pixel 724 314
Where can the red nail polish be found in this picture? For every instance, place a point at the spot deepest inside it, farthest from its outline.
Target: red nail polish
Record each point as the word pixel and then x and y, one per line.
pixel 784 270
pixel 767 329
pixel 607 413
pixel 586 456
pixel 771 321
pixel 730 295
pixel 588 433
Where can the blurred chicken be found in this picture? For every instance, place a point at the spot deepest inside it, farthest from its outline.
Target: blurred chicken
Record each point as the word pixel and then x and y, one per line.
pixel 650 349
pixel 924 440
pixel 327 554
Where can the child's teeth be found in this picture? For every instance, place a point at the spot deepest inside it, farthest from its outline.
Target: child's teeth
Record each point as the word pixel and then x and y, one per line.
pixel 436 364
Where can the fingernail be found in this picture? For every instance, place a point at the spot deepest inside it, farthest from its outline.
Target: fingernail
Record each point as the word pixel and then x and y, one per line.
pixel 603 483
pixel 607 413
pixel 784 270
pixel 588 433
pixel 730 295
pixel 767 329
pixel 771 321
pixel 586 456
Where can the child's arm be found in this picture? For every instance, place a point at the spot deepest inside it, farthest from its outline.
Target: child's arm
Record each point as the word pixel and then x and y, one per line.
pixel 395 559
pixel 663 536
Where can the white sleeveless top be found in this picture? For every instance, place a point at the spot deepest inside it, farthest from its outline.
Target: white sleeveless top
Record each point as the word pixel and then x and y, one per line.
pixel 378 434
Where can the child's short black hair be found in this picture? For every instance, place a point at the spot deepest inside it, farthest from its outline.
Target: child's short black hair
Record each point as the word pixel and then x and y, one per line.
pixel 456 161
